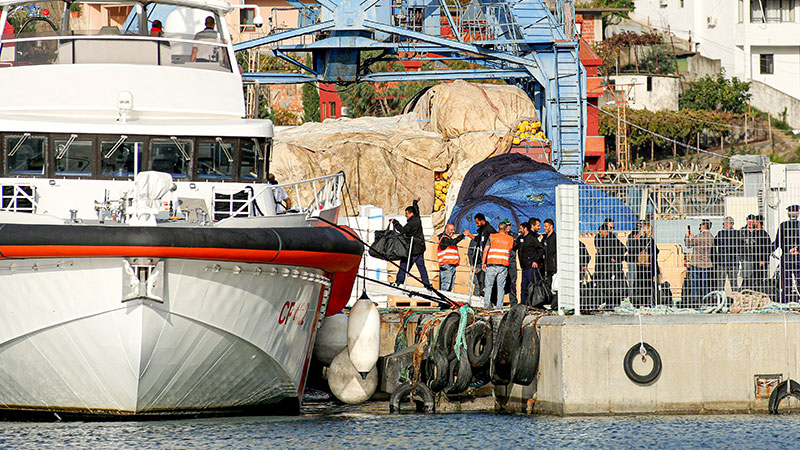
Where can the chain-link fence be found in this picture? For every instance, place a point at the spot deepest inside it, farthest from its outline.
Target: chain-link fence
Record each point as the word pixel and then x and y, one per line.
pixel 695 246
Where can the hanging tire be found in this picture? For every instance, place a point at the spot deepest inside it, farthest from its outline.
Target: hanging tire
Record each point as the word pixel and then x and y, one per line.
pixel 479 343
pixel 526 360
pixel 499 374
pixel 447 334
pixel 509 335
pixel 460 374
pixel 780 393
pixel 418 393
pixel 435 369
pixel 633 353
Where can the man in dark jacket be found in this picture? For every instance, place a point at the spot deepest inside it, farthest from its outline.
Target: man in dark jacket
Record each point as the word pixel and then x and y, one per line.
pixel 725 255
pixel 608 274
pixel 788 240
pixel 757 247
pixel 479 241
pixel 531 255
pixel 550 251
pixel 413 231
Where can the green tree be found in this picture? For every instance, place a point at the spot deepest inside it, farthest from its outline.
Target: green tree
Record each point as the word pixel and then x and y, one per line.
pixel 310 103
pixel 716 93
pixel 381 99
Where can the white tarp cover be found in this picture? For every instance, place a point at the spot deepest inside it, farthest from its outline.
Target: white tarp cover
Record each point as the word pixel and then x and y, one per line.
pixel 389 161
pixel 152 186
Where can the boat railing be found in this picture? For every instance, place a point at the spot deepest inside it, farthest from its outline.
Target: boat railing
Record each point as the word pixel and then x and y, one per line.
pixel 176 50
pixel 319 194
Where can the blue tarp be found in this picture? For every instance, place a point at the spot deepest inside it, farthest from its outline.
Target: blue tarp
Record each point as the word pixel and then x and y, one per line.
pixel 519 196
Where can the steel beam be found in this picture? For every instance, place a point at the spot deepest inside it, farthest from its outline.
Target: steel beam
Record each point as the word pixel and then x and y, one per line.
pixel 288 34
pixel 276 78
pixel 435 75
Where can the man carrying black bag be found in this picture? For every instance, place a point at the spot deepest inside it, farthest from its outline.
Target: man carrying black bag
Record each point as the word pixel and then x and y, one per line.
pixel 413 231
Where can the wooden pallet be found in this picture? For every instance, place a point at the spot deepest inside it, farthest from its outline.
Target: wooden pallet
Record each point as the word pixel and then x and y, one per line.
pixel 402 302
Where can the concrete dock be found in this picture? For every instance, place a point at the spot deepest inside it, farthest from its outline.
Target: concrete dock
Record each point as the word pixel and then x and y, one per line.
pixel 712 363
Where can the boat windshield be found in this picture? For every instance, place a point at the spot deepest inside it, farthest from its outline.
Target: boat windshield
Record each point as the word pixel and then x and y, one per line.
pixel 113 33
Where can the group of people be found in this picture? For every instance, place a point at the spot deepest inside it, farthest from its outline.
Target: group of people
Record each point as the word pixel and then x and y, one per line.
pixel 744 254
pixel 610 284
pixel 738 257
pixel 494 255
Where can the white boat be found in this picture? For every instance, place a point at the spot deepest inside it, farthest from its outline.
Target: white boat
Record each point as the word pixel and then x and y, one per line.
pixel 145 267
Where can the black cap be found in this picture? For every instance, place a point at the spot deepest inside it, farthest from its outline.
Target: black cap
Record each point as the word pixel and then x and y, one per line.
pixel 760 218
pixel 751 217
pixel 793 208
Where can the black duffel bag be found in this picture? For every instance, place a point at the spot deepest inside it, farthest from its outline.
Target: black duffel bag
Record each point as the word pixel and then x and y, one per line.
pixel 537 292
pixel 389 245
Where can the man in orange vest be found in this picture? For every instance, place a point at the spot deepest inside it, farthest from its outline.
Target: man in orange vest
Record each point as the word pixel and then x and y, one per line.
pixel 496 258
pixel 448 257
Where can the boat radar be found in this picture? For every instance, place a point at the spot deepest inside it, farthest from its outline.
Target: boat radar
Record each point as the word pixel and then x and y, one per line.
pixel 124 105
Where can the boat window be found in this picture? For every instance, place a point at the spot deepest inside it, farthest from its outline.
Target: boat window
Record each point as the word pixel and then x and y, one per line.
pixel 73 157
pixel 252 164
pixel 215 159
pixel 117 157
pixel 25 154
pixel 172 156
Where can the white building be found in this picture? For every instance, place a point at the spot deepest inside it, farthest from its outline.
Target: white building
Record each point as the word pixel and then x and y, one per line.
pixel 754 39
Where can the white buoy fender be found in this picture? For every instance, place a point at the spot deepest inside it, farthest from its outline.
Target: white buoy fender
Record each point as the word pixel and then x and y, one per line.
pixel 364 335
pixel 347 384
pixel 331 338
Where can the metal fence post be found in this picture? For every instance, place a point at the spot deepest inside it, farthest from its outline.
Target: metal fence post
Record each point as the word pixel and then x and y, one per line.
pixel 567 237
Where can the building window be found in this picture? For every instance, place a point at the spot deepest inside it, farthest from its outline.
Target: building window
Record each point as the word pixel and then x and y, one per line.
pixel 741 11
pixel 246 17
pixel 681 3
pixel 332 106
pixel 649 84
pixel 772 11
pixel 767 64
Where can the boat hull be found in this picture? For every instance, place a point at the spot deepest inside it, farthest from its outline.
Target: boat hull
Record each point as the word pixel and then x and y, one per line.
pixel 224 338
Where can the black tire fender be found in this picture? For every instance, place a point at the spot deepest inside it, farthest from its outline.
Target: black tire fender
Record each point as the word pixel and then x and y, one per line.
pixel 447 334
pixel 780 393
pixel 460 374
pixel 435 369
pixel 509 334
pixel 418 393
pixel 526 360
pixel 479 343
pixel 627 364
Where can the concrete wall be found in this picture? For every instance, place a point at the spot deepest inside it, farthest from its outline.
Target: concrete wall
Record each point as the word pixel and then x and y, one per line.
pixel 771 100
pixel 709 363
pixel 699 66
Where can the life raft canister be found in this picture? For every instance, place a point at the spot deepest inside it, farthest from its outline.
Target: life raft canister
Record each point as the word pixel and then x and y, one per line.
pixel 449 255
pixel 500 245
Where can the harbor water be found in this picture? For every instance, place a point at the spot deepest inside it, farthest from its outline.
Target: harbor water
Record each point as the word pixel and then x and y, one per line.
pixel 340 428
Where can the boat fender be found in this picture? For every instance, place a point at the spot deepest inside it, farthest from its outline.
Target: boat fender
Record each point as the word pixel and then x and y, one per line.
pixel 346 382
pixel 636 352
pixel 447 334
pixel 331 338
pixel 460 373
pixel 479 343
pixel 364 335
pixel 526 360
pixel 780 392
pixel 509 335
pixel 435 368
pixel 418 393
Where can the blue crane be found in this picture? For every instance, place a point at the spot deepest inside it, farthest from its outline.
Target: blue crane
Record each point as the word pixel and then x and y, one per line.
pixel 527 43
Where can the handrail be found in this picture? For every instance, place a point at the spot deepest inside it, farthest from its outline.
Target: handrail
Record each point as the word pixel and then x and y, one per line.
pixel 114 38
pixel 332 185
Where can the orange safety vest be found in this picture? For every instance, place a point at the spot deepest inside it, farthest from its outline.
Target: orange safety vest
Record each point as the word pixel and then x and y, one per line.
pixel 449 255
pixel 500 245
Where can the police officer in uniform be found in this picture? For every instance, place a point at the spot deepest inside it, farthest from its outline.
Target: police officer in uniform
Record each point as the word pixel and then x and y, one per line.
pixel 788 240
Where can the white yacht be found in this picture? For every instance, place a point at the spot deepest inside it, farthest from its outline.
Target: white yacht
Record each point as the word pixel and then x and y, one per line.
pixel 145 265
